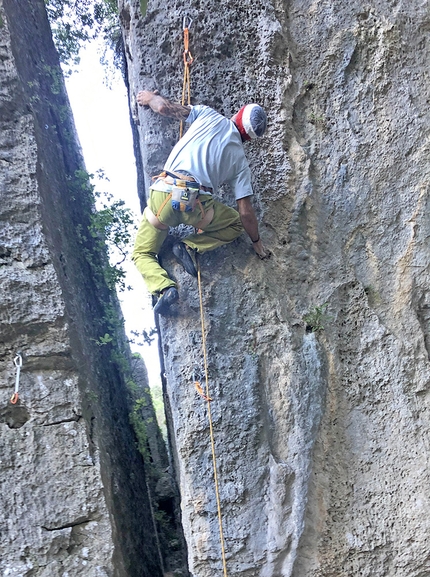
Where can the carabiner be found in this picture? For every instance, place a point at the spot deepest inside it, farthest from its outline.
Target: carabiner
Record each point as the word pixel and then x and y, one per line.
pixel 188 58
pixel 17 361
pixel 184 22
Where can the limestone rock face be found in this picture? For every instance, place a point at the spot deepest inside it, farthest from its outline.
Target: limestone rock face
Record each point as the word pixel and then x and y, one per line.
pixel 73 496
pixel 321 437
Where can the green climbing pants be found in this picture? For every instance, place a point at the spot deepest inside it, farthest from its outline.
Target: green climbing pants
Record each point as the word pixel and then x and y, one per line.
pixel 224 228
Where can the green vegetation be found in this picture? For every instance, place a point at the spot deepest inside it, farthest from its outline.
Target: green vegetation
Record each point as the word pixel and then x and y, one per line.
pixel 148 337
pixel 92 396
pixel 317 119
pixel 105 242
pixel 55 76
pixel 316 318
pixel 158 404
pixel 139 426
pixel 140 399
pixel 73 23
pixel 143 6
pixel 107 338
pixel 112 227
pixel 373 295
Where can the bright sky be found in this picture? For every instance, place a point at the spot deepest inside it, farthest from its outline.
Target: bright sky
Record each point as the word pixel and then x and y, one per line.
pixel 103 125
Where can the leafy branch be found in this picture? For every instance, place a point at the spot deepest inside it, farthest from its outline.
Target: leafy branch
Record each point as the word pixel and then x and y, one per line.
pixel 75 22
pixel 112 227
pixel 147 336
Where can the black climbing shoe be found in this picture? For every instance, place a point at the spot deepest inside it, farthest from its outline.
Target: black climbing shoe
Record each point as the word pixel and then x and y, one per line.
pixel 169 297
pixel 180 250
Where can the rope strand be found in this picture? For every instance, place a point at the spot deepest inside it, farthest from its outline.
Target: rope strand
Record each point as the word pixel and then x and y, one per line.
pixel 218 500
pixel 186 84
pixel 186 90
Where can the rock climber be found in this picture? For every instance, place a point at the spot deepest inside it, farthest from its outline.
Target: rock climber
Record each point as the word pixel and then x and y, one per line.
pixel 209 154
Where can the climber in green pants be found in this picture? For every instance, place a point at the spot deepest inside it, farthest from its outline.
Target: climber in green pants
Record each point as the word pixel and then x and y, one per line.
pixel 224 228
pixel 209 154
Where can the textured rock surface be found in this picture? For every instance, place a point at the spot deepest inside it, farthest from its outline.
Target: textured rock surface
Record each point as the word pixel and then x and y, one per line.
pixel 321 438
pixel 73 496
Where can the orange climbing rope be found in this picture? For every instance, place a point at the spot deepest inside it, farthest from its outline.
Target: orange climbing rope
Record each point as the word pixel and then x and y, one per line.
pixel 188 60
pixel 186 90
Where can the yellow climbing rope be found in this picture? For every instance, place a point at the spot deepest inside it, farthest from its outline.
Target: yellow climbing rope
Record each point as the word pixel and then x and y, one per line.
pixel 211 430
pixel 186 90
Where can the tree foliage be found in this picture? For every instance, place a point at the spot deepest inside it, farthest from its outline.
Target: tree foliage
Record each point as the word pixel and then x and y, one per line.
pixel 74 22
pixel 112 228
pixel 114 225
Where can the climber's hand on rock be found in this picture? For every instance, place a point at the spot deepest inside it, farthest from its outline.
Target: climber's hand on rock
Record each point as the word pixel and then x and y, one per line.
pixel 144 97
pixel 263 253
pixel 162 105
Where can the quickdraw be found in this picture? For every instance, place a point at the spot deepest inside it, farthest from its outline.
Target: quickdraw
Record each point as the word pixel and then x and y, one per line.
pixel 201 392
pixel 18 364
pixel 188 60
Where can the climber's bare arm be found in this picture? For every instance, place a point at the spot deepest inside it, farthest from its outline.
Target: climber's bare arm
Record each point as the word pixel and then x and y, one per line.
pixel 162 106
pixel 250 224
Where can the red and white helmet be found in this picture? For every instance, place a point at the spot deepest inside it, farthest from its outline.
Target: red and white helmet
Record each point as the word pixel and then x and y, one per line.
pixel 251 121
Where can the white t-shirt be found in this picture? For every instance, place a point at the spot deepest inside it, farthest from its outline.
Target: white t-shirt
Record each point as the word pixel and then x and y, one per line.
pixel 212 152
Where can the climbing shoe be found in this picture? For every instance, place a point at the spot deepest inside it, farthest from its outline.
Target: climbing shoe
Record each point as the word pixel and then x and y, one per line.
pixel 181 252
pixel 168 297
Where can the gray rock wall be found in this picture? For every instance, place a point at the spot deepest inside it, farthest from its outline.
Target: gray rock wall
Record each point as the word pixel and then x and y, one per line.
pixel 321 437
pixel 73 497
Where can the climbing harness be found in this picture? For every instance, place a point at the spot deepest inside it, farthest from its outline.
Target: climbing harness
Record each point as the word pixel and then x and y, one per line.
pixel 18 364
pixel 205 394
pixel 184 198
pixel 184 192
pixel 188 60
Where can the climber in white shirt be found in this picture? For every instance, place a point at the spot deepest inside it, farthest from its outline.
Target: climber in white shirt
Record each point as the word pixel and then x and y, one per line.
pixel 209 154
